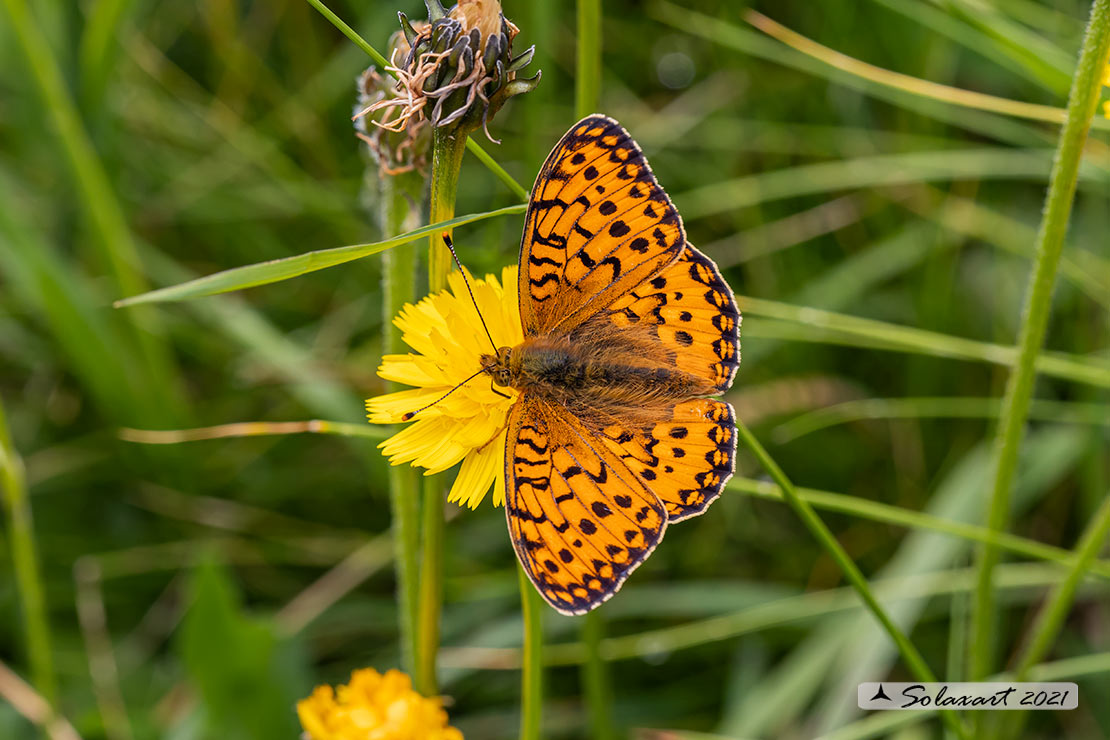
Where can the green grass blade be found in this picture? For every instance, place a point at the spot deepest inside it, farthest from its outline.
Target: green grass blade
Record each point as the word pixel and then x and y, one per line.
pixel 729 35
pixel 881 170
pixel 1026 579
pixel 1052 615
pixel 104 212
pixel 1055 610
pixel 350 33
pixel 910 654
pixel 273 271
pixel 1023 45
pixel 982 41
pixel 1060 412
pixel 1052 454
pixel 907 83
pixel 25 561
pixel 801 323
pixel 915 521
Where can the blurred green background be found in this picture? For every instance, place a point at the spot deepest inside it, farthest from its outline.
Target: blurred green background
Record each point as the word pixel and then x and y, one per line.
pixel 198 590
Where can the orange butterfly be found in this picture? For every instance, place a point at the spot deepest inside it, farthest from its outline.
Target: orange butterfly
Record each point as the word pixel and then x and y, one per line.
pixel 627 328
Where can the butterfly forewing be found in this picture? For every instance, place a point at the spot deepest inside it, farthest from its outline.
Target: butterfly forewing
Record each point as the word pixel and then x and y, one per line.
pixel 597 224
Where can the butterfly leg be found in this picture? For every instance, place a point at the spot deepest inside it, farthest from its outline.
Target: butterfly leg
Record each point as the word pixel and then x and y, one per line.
pixel 494 389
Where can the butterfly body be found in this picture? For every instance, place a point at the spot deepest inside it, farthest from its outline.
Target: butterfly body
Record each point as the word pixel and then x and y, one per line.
pixel 628 330
pixel 599 376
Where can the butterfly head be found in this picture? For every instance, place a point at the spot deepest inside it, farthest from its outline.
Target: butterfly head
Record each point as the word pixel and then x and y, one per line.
pixel 499 366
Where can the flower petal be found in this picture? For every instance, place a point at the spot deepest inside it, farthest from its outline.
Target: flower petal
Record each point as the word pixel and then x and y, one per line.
pixel 465 416
pixel 476 475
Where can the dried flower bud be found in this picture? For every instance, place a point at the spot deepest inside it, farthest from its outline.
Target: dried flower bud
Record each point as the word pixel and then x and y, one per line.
pixel 395 149
pixel 458 70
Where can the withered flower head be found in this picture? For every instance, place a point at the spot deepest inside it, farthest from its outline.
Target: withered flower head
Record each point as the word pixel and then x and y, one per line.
pixel 395 150
pixel 458 69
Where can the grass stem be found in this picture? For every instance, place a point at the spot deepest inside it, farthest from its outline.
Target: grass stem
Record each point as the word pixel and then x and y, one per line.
pixel 910 654
pixel 400 199
pixel 430 596
pixel 595 678
pixel 1082 102
pixel 587 81
pixel 447 151
pixel 28 574
pixel 1050 620
pixel 531 678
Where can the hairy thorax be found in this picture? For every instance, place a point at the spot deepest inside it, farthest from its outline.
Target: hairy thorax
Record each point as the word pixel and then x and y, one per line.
pixel 600 380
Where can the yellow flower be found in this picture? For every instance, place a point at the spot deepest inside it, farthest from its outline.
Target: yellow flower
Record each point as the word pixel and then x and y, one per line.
pixel 469 424
pixel 374 707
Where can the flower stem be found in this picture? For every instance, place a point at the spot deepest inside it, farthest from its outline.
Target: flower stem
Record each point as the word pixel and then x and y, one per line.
pixel 531 681
pixel 431 587
pixel 595 678
pixel 594 674
pixel 805 512
pixel 400 199
pixel 447 151
pixel 1082 101
pixel 587 82
pixel 28 575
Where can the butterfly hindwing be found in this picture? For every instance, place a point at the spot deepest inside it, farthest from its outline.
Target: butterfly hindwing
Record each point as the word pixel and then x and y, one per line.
pixel 579 519
pixel 686 458
pixel 693 316
pixel 598 224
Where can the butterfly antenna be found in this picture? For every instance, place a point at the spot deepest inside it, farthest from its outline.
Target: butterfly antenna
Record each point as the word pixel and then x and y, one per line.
pixel 410 414
pixel 462 271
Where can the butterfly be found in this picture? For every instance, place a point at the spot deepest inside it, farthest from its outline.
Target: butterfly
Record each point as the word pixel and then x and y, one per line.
pixel 628 329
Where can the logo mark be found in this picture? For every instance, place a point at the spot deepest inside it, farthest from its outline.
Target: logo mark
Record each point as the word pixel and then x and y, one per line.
pixel 880 694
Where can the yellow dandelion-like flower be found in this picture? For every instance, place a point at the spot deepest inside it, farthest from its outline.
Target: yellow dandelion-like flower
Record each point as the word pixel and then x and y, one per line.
pixel 468 425
pixel 374 707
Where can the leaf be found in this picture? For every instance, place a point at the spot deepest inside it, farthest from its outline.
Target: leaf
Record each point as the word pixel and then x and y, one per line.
pixel 272 271
pixel 240 670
